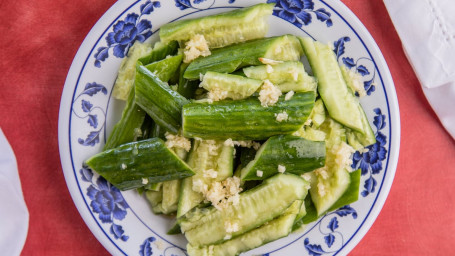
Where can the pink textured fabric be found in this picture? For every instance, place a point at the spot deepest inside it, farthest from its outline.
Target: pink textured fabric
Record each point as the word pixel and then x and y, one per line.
pixel 38 42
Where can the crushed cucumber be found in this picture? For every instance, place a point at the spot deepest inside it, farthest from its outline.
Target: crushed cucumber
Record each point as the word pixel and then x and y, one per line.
pixel 231 58
pixel 222 29
pixel 218 101
pixel 287 76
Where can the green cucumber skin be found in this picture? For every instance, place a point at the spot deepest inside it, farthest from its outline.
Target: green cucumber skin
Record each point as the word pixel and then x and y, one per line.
pixel 175 229
pixel 183 30
pixel 124 131
pixel 186 88
pixel 159 52
pixel 231 58
pixel 340 102
pixel 167 68
pixel 245 119
pixel 271 231
pixel 297 154
pixel 351 195
pixel 311 213
pixel 126 165
pixel 366 138
pixel 159 101
pixel 207 226
pixel 133 117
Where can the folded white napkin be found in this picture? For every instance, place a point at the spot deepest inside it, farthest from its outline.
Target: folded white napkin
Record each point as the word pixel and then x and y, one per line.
pixel 13 211
pixel 427 31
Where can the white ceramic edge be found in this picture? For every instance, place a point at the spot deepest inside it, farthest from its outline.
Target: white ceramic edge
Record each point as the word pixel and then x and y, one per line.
pixel 395 126
pixel 78 62
pixel 63 124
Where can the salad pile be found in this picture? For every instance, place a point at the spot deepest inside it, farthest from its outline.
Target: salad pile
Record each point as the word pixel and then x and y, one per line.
pixel 229 132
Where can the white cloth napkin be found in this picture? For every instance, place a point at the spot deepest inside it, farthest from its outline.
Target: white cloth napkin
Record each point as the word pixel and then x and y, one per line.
pixel 13 211
pixel 427 31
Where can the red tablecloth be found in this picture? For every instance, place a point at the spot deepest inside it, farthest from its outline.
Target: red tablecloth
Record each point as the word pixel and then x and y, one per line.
pixel 38 40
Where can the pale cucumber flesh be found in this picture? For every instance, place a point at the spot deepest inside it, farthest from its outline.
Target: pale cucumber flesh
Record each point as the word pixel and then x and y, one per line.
pixel 204 156
pixel 208 226
pixel 340 102
pixel 273 230
pixel 221 29
pixel 235 87
pixel 287 76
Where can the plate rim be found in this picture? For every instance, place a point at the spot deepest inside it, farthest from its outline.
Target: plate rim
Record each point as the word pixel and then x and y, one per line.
pixel 86 48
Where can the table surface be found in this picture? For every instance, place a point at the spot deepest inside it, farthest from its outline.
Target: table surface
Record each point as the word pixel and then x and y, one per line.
pixel 38 42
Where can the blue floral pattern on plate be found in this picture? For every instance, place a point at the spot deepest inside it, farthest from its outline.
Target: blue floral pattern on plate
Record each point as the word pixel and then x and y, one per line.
pixel 126 32
pixel 88 110
pixel 107 202
pixel 147 248
pixel 331 234
pixel 350 63
pixel 186 4
pixel 298 12
pixel 370 162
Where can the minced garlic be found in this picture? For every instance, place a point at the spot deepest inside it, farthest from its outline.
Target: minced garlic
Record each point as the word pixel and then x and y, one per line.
pixel 269 61
pixel 283 116
pixel 195 47
pixel 177 141
pixel 224 193
pixel 289 95
pixel 210 173
pixel 269 94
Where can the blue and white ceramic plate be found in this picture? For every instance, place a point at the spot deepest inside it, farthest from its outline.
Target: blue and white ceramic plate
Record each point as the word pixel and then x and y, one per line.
pixel 122 221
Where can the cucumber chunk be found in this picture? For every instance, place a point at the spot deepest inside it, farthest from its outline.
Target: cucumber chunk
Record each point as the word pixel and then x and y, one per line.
pixel 350 196
pixel 297 155
pixel 329 184
pixel 167 68
pixel 159 101
pixel 339 100
pixel 222 86
pixel 160 51
pixel 271 231
pixel 171 191
pixel 287 76
pixel 128 128
pixel 133 124
pixel 222 29
pixel 155 198
pixel 311 213
pixel 205 155
pixel 231 58
pixel 208 226
pixel 127 70
pixel 186 88
pixel 131 165
pixel 317 115
pixel 245 119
